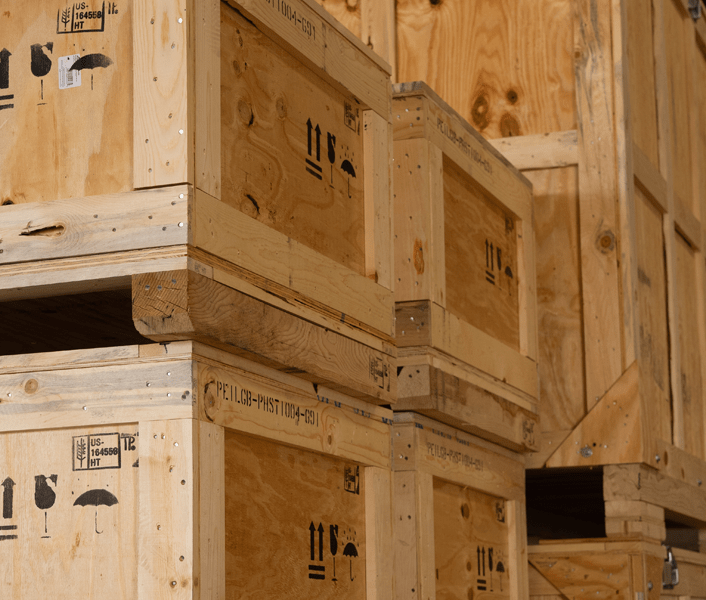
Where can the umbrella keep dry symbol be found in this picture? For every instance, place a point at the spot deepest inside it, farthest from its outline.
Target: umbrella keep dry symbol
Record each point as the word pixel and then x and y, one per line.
pixel 350 550
pixel 96 498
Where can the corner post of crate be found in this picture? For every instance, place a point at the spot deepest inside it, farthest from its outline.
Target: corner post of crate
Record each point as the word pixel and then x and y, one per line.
pixel 379 240
pixel 379 31
pixel 625 182
pixel 419 222
pixel 414 536
pixel 603 329
pixel 378 534
pixel 667 171
pixel 181 545
pixel 163 64
pixel 207 96
pixel 516 511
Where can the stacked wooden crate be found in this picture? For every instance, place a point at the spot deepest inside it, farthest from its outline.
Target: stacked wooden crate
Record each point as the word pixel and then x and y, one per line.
pixel 600 104
pixel 466 334
pixel 213 176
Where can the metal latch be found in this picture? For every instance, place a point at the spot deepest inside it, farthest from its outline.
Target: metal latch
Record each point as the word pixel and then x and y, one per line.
pixel 695 9
pixel 670 571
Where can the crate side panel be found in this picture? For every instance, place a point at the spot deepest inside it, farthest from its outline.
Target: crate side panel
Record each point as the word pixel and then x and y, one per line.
pixel 66 125
pixel 690 375
pixel 561 354
pixel 471 543
pixel 516 58
pixel 295 522
pixel 292 152
pixel 652 307
pixel 481 250
pixel 69 522
pixel 678 30
pixel 643 100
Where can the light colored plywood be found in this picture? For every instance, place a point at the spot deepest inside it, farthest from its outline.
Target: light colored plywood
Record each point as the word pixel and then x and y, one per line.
pixel 163 139
pixel 65 143
pixel 561 351
pixel 54 542
pixel 298 517
pixel 652 312
pixel 292 154
pixel 516 60
pixel 641 72
pixel 471 543
pixel 481 253
pixel 690 374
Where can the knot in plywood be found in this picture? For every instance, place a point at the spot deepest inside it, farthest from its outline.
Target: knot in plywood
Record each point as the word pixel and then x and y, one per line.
pixel 606 242
pixel 418 255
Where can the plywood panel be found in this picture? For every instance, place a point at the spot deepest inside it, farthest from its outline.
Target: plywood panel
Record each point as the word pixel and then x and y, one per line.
pixel 506 66
pixel 689 345
pixel 561 373
pixel 678 30
pixel 643 101
pixel 71 142
pixel 652 307
pixel 481 258
pixel 69 521
pixel 295 523
pixel 292 154
pixel 470 544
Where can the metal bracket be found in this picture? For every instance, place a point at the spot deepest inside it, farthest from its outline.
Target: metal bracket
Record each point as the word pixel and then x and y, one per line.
pixel 695 9
pixel 670 571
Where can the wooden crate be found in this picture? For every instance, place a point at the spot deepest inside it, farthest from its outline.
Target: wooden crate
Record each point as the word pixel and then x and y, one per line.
pixel 464 269
pixel 600 104
pixel 641 510
pixel 459 514
pixel 182 471
pixel 243 145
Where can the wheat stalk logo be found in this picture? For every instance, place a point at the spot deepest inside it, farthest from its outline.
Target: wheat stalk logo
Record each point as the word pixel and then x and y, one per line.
pixel 81 451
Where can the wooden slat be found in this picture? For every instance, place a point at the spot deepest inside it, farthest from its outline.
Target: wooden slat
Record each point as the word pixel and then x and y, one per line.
pixel 94 225
pixel 379 31
pixel 543 151
pixel 249 403
pixel 427 324
pixel 378 534
pixel 379 240
pixel 271 254
pixel 603 326
pixel 467 406
pixel 204 310
pixel 67 398
pixel 649 176
pixel 207 95
pixel 163 109
pixel 168 534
